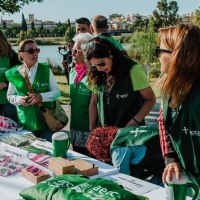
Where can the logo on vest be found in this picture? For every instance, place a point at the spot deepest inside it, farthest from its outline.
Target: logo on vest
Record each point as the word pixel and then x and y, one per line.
pixel 84 91
pixel 43 85
pixel 136 131
pixel 122 96
pixel 192 133
pixel 3 70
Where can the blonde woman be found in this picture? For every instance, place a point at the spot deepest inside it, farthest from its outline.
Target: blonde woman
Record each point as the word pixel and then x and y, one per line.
pixel 178 52
pixel 43 83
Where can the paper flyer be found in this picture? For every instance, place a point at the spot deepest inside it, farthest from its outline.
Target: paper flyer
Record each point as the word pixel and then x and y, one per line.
pixel 132 184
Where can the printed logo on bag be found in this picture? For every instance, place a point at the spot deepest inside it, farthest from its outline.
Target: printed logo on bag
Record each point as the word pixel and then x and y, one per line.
pixel 84 91
pixel 122 96
pixel 60 184
pixel 95 192
pixel 136 131
pixel 192 133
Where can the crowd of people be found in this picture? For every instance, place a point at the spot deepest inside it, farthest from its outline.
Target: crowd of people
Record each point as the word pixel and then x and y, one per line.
pixel 108 88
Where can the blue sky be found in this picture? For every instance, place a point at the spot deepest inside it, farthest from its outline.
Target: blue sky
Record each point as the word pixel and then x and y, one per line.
pixel 61 10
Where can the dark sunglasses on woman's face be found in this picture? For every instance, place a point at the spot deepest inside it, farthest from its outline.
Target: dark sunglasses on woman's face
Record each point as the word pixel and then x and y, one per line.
pixel 31 51
pixel 75 51
pixel 158 51
pixel 99 64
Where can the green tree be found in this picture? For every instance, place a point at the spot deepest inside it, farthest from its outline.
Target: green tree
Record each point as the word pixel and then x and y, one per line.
pixel 147 44
pixel 32 26
pixel 23 25
pixel 166 15
pixel 68 23
pixel 30 33
pixel 69 34
pixel 4 25
pixel 12 6
pixel 196 20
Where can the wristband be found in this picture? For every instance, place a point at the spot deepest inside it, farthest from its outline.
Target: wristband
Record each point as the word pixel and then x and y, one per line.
pixel 135 120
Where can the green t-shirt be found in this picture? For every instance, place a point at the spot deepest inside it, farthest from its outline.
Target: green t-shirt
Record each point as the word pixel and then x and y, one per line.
pixel 138 78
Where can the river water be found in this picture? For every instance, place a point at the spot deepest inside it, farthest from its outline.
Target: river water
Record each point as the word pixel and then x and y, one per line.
pixel 51 52
pixel 48 52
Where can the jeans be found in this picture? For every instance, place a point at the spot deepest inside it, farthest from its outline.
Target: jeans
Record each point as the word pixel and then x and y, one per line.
pixel 9 110
pixel 45 134
pixel 122 157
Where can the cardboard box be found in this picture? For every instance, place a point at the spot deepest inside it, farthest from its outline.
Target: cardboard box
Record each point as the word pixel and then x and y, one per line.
pixel 32 178
pixel 61 166
pixel 85 168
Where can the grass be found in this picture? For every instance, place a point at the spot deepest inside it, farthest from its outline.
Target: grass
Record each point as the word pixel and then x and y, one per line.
pixel 64 98
pixel 64 88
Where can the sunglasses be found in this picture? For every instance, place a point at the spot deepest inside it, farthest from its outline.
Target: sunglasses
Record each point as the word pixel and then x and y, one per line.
pixel 31 51
pixel 75 51
pixel 33 170
pixel 158 51
pixel 99 64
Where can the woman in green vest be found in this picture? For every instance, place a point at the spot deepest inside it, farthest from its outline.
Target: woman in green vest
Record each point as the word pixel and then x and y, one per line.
pixel 80 95
pixel 8 59
pixel 179 121
pixel 121 96
pixel 43 83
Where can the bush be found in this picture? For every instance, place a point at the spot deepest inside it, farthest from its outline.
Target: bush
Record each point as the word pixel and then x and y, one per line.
pixel 56 69
pixel 155 71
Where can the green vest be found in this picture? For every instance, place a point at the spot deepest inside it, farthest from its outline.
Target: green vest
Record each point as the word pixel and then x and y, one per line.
pixel 120 106
pixel 31 117
pixel 4 66
pixel 80 99
pixel 185 130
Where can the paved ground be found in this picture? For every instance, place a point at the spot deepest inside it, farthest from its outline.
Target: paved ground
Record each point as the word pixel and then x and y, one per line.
pixel 151 119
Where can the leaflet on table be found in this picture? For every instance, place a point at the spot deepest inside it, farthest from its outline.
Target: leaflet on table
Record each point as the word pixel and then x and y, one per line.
pixel 21 132
pixel 8 149
pixel 43 145
pixel 132 184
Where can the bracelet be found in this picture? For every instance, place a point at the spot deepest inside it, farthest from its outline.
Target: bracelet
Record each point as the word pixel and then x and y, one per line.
pixel 135 120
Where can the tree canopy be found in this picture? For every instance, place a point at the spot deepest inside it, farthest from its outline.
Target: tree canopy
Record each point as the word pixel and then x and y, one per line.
pixel 197 17
pixel 166 15
pixel 13 6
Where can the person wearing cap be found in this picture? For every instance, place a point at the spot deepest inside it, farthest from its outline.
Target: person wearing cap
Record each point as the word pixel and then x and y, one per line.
pixel 82 25
pixel 99 28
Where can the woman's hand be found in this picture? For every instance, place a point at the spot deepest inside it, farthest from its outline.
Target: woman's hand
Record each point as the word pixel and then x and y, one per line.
pixel 34 98
pixel 171 168
pixel 24 101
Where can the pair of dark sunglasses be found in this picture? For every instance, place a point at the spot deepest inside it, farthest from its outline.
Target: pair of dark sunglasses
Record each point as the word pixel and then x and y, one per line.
pixel 158 51
pixel 31 51
pixel 75 51
pixel 99 64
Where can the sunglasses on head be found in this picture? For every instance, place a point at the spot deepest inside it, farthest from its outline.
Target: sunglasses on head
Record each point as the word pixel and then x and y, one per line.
pixel 92 45
pixel 99 64
pixel 158 51
pixel 31 51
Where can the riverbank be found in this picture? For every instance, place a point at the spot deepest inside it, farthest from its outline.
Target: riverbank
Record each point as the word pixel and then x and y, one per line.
pixel 42 41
